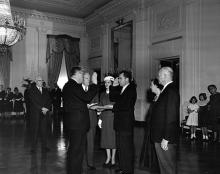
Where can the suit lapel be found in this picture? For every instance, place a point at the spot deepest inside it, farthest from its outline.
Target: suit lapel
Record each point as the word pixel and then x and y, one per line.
pixel 38 91
pixel 163 92
pixel 124 90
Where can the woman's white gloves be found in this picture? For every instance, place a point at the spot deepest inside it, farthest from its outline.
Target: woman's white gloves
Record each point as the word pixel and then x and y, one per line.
pixel 100 123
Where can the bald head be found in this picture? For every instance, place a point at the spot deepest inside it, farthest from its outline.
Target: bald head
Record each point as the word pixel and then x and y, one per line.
pixel 39 81
pixel 165 75
pixel 86 79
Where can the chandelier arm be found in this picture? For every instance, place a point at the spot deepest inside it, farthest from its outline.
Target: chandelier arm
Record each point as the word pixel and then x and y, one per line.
pixel 12 29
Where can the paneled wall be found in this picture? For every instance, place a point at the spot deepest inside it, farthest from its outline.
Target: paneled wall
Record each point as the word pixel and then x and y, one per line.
pixel 188 29
pixel 29 55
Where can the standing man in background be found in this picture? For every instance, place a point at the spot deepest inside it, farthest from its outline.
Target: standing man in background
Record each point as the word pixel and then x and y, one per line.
pixel 56 96
pixel 124 97
pixel 76 118
pixel 165 123
pixel 40 104
pixel 214 111
pixel 93 123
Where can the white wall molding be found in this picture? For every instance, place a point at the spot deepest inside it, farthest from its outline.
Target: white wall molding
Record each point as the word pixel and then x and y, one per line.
pixel 47 16
pixel 114 9
pixel 191 74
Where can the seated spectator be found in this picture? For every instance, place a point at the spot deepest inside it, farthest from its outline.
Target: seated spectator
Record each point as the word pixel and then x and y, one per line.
pixel 8 102
pixel 214 110
pixel 2 97
pixel 203 115
pixel 18 102
pixel 192 120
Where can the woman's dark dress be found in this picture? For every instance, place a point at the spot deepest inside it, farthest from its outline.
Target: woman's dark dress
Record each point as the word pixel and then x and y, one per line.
pixel 107 117
pixel 8 103
pixel 18 103
pixel 148 159
pixel 2 96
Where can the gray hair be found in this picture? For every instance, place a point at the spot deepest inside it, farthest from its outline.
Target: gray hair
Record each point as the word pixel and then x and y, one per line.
pixel 168 71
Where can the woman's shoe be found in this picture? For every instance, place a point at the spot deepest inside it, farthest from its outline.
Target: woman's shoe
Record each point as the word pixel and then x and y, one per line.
pixel 113 165
pixel 106 165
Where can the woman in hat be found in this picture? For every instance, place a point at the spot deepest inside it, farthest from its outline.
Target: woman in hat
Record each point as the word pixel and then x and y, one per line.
pixel 106 124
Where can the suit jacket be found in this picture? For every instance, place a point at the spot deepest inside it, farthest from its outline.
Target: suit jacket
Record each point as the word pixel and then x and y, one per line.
pixel 92 113
pixel 124 107
pixel 214 109
pixel 165 115
pixel 38 100
pixel 75 101
pixel 56 96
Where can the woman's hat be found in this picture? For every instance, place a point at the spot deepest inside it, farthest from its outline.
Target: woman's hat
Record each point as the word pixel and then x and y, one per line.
pixel 108 78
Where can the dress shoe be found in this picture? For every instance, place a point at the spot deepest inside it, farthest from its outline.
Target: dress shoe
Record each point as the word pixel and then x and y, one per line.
pixel 91 168
pixel 113 165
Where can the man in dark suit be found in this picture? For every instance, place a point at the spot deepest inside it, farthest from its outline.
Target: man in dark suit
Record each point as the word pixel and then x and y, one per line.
pixel 124 97
pixel 93 123
pixel 56 96
pixel 214 111
pixel 165 123
pixel 40 104
pixel 76 118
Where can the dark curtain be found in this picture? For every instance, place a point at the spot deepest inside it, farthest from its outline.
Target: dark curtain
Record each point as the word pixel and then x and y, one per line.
pixel 71 53
pixel 57 47
pixel 5 58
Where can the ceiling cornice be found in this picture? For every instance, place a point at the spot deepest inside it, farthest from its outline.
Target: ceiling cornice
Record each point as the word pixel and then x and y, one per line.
pixel 64 4
pixel 47 16
pixel 109 9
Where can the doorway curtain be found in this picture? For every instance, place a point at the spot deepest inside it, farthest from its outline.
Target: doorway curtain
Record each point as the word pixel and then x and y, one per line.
pixel 59 46
pixel 5 58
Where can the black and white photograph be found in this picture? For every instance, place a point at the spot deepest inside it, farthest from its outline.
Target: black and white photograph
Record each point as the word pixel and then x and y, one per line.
pixel 109 86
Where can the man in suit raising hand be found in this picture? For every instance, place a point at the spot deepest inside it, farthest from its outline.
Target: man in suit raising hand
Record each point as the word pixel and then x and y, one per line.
pixel 76 118
pixel 165 122
pixel 124 97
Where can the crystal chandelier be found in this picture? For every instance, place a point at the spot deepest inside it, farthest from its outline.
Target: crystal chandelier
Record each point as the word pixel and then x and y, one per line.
pixel 12 30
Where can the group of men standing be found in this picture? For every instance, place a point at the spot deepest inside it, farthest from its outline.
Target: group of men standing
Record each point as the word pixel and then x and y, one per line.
pixel 77 119
pixel 123 93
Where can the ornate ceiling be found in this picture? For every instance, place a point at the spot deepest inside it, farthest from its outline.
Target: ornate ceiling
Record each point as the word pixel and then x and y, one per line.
pixel 73 8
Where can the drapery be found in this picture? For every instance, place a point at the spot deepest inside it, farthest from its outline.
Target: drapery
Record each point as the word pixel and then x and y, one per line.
pixel 57 47
pixel 71 53
pixel 5 58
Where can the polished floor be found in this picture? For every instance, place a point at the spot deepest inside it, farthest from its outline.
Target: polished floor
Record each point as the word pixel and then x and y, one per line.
pixel 194 157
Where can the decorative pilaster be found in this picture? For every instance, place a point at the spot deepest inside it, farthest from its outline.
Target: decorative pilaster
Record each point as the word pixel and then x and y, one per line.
pixel 106 49
pixel 191 60
pixel 141 60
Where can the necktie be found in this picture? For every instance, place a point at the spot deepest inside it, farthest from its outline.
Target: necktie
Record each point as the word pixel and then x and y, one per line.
pixel 40 89
pixel 86 88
